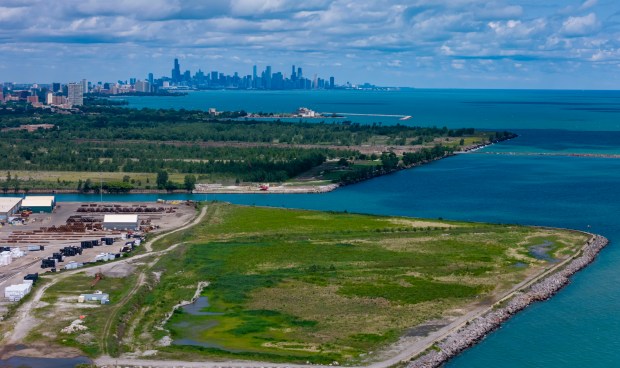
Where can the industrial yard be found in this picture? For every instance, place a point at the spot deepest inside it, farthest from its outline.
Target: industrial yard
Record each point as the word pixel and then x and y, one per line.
pixel 68 236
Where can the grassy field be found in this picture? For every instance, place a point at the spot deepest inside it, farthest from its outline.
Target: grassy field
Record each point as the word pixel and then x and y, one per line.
pixel 310 286
pixel 70 179
pixel 297 286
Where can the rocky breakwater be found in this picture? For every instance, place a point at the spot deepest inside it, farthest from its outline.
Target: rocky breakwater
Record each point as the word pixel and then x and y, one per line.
pixel 478 328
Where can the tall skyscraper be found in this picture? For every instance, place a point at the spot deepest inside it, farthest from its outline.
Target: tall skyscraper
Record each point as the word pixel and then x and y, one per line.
pixel 268 77
pixel 151 79
pixel 332 82
pixel 84 86
pixel 75 95
pixel 293 74
pixel 55 87
pixel 176 72
pixel 299 73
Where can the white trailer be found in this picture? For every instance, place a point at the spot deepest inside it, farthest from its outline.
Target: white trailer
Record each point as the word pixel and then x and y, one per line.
pixel 15 293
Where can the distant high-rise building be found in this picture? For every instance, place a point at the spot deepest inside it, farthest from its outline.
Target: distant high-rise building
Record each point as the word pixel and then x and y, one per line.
pixel 332 82
pixel 75 94
pixel 84 86
pixel 268 77
pixel 59 100
pixel 142 86
pixel 176 72
pixel 55 87
pixel 299 73
pixel 293 74
pixel 49 98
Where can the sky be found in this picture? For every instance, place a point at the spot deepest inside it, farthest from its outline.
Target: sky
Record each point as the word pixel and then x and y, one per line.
pixel 550 44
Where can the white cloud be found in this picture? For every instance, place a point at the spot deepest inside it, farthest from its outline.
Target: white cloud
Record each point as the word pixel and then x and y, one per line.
pixel 588 4
pixel 580 26
pixel 428 35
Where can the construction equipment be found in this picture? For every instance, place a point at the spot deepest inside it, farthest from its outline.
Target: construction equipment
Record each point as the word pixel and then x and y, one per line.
pixel 98 277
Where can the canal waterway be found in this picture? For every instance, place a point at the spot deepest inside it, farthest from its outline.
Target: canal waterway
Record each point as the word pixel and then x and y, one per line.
pixel 578 326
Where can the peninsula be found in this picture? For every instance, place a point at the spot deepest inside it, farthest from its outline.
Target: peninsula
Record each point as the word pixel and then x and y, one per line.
pixel 104 147
pixel 290 286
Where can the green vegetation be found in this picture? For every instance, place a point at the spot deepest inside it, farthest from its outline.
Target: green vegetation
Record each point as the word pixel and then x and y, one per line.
pixel 289 285
pixel 297 286
pixel 105 138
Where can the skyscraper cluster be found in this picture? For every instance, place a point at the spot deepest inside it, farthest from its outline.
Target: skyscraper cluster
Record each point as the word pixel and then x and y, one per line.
pixel 267 80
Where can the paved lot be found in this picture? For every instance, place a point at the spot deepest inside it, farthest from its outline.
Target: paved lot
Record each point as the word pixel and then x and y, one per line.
pixel 35 232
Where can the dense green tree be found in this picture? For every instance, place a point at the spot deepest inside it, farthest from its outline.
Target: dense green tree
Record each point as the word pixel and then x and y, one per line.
pixel 162 179
pixel 189 182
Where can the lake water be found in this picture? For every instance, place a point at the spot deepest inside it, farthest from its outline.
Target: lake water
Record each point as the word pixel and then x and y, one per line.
pixel 576 328
pixel 490 109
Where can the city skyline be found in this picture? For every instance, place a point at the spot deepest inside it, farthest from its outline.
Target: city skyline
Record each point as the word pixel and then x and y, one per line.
pixel 417 43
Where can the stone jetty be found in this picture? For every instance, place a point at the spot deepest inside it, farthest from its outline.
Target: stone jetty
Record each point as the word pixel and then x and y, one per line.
pixel 477 329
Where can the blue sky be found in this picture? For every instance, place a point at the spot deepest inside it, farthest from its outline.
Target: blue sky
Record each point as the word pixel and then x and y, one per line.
pixel 420 43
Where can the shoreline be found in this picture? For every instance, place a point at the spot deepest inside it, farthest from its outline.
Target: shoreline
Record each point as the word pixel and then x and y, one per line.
pixel 539 289
pixel 555 154
pixel 255 187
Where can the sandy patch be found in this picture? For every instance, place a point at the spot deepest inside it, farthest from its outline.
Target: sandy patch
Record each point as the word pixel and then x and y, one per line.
pixel 419 223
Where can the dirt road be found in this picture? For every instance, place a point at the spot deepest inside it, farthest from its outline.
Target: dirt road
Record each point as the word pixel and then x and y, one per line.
pixel 25 314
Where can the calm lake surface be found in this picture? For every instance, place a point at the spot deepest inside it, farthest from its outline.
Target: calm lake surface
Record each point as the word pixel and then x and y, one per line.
pixel 576 328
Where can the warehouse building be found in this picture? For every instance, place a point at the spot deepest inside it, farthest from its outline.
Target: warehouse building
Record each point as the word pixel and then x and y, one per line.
pixel 9 206
pixel 121 222
pixel 38 204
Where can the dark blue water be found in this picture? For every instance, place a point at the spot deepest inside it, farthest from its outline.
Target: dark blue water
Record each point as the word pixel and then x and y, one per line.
pixel 579 326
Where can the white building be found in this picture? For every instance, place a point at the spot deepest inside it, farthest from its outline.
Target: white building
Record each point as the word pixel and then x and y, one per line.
pixel 121 222
pixel 9 206
pixel 306 113
pixel 38 204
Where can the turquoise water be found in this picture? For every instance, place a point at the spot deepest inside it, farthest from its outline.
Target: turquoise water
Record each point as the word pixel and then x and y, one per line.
pixel 490 109
pixel 576 328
